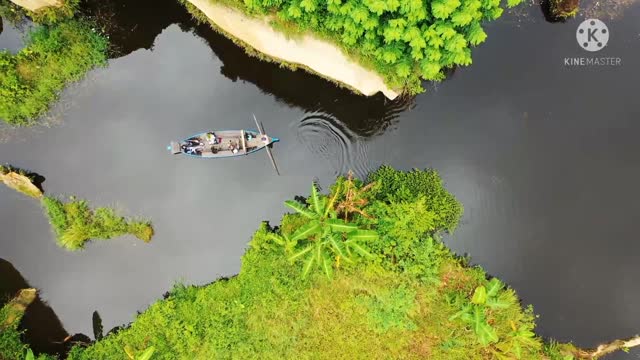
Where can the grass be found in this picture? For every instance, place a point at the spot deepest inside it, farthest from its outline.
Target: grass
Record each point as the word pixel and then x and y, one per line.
pixel 20 181
pixel 74 223
pixel 367 310
pixel 55 55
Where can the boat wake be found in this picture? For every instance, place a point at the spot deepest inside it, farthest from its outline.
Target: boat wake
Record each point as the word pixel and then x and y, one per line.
pixel 331 140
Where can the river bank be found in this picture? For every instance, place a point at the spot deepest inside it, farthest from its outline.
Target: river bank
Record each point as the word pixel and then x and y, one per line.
pixel 306 51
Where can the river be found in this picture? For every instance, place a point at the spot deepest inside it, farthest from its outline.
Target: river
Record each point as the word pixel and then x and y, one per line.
pixel 545 158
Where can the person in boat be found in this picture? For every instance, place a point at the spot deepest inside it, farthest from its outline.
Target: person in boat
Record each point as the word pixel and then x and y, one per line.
pixel 211 138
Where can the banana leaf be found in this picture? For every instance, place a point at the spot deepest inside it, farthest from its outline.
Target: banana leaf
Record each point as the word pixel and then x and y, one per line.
pixel 336 245
pixel 276 238
pixel 479 295
pixel 315 200
pixel 308 265
pixel 362 235
pixel 359 249
pixel 486 334
pixel 147 354
pixel 327 266
pixel 493 287
pixel 300 253
pixel 306 231
pixel 333 200
pixel 340 225
pixel 301 209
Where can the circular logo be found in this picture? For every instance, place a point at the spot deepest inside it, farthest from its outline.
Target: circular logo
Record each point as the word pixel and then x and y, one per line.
pixel 592 35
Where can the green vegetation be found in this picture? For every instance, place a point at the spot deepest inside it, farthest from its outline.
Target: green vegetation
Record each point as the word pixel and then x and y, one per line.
pixel 54 56
pixel 20 181
pixel 74 223
pixel 11 346
pixel 404 41
pixel 407 297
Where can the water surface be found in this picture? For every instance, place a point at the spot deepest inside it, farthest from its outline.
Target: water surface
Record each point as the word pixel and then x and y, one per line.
pixel 545 159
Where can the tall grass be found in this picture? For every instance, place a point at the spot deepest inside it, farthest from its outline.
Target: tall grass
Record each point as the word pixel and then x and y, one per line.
pixel 53 57
pixel 74 223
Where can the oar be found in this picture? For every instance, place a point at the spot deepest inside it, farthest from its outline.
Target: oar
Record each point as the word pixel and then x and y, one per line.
pixel 267 147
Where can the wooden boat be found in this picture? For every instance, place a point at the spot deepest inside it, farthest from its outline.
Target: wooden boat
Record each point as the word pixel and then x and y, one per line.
pixel 226 143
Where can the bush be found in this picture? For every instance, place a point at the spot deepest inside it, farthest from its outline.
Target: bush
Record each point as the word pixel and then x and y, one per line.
pixel 397 186
pixel 53 56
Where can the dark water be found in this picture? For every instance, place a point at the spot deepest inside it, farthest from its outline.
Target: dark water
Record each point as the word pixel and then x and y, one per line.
pixel 544 157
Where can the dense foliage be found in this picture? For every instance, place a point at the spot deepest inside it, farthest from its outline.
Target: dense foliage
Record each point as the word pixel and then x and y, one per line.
pixel 416 302
pixel 404 40
pixel 400 186
pixel 53 56
pixel 74 223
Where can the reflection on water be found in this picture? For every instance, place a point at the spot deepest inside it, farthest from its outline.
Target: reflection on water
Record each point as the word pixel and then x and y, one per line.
pixel 330 139
pixel 133 25
pixel 44 331
pixel 366 116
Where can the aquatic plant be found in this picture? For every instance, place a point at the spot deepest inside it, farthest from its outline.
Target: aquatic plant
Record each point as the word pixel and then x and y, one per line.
pixel 404 41
pixel 20 181
pixel 53 57
pixel 74 223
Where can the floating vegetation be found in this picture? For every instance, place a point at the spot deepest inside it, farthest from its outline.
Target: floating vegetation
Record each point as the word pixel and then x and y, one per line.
pixel 74 223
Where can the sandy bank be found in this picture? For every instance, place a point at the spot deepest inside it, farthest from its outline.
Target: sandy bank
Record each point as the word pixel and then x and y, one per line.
pixel 320 56
pixel 35 5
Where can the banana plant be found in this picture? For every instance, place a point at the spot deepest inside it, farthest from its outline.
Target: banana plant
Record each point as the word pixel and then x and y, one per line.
pixel 473 313
pixel 324 235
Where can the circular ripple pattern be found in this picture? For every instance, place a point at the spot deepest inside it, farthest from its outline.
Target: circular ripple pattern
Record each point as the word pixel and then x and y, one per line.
pixel 331 140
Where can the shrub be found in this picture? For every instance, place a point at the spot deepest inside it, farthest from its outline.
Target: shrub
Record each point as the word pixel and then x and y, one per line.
pixel 399 186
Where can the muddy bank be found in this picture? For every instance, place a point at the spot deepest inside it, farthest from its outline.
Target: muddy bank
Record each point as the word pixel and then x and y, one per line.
pixel 315 55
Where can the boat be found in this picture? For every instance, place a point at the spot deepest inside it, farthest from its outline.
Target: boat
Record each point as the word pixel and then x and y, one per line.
pixel 226 143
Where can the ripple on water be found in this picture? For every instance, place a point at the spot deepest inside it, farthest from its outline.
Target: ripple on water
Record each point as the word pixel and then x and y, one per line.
pixel 331 140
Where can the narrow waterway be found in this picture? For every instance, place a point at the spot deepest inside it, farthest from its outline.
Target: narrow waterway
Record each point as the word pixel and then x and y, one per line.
pixel 545 158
